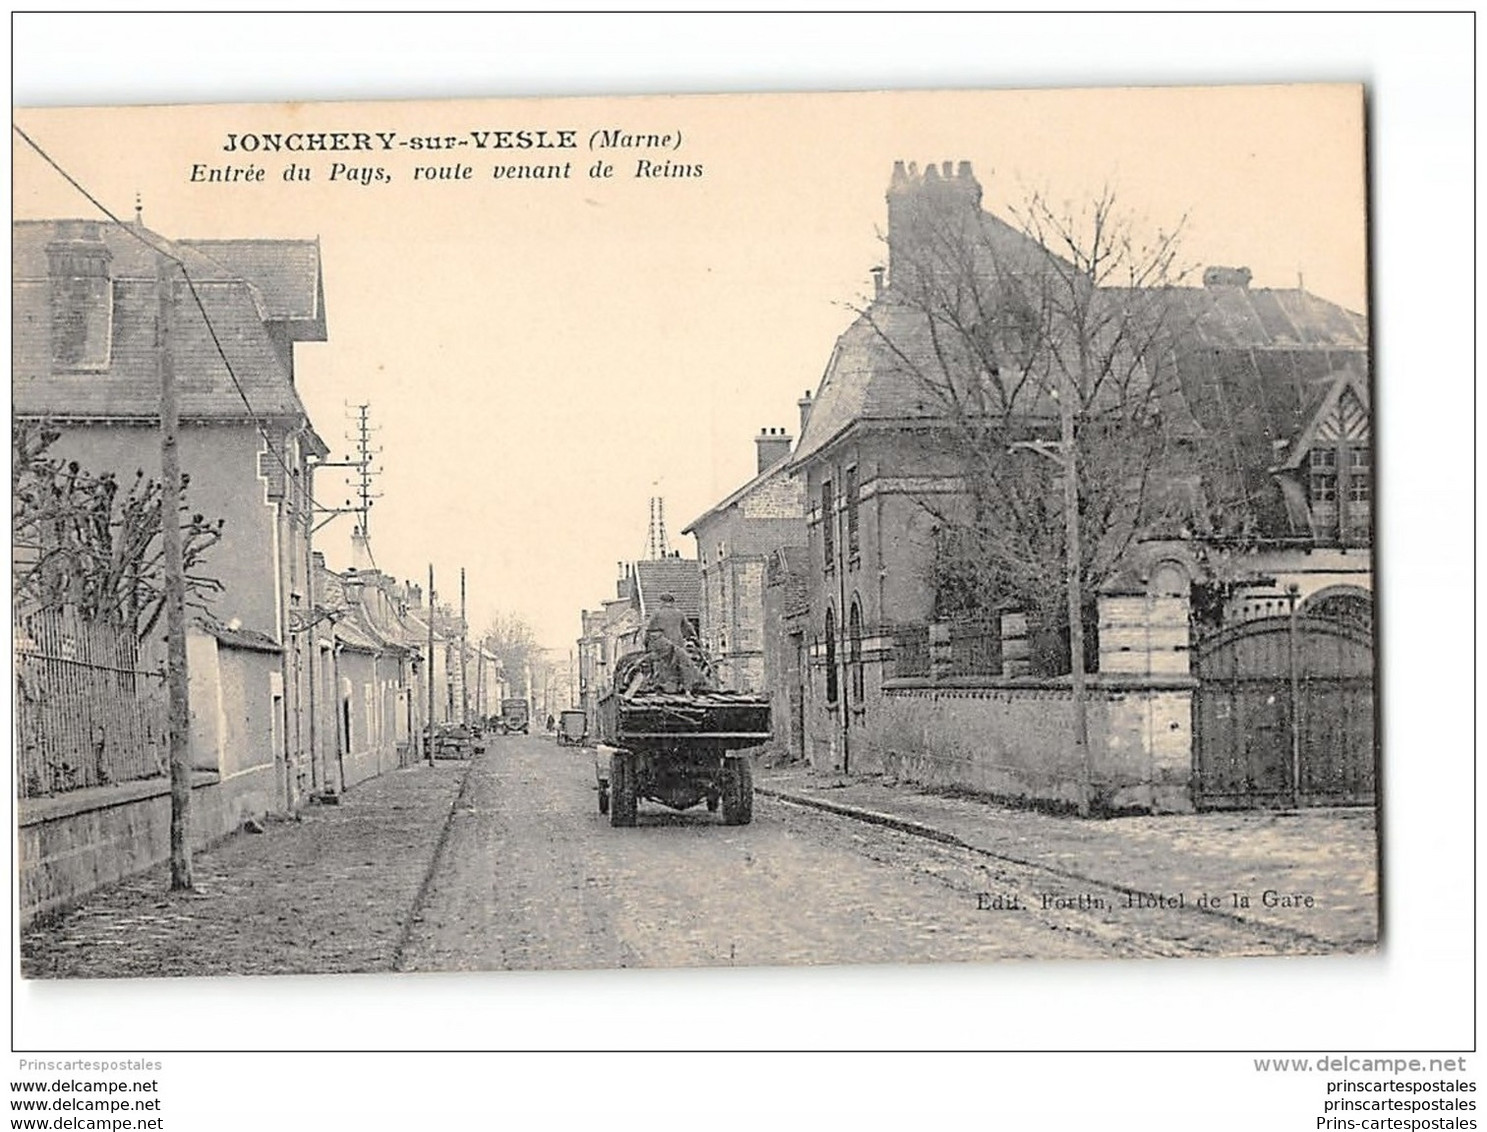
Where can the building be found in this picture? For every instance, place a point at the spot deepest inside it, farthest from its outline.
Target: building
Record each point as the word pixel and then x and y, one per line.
pixel 786 659
pixel 734 541
pixel 1262 403
pixel 85 359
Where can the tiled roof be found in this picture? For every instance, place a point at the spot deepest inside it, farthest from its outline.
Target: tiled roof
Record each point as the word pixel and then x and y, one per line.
pixel 128 386
pixel 681 577
pixel 238 637
pixel 284 273
pixel 1248 361
pixel 1255 362
pixel 354 632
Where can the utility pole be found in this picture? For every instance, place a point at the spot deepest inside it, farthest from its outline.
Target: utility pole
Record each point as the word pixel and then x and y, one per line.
pixel 429 734
pixel 318 773
pixel 1075 599
pixel 363 464
pixel 1293 591
pixel 464 669
pixel 176 675
pixel 1065 455
pixel 480 711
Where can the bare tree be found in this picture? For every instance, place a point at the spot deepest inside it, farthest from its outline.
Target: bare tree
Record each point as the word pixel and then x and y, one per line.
pixel 510 638
pixel 1002 331
pixel 80 540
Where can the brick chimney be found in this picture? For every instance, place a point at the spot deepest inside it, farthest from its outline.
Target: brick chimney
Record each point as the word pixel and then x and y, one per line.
pixel 804 405
pixel 361 552
pixel 82 295
pixel 943 200
pixel 773 445
pixel 1226 277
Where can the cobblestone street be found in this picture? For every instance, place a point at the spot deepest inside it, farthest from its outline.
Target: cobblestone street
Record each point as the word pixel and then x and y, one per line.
pixel 505 863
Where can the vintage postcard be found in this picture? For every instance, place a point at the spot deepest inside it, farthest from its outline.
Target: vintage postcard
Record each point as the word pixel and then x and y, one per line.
pixel 674 532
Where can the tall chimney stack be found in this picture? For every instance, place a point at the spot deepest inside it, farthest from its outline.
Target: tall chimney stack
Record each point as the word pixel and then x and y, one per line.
pixel 927 206
pixel 773 445
pixel 804 404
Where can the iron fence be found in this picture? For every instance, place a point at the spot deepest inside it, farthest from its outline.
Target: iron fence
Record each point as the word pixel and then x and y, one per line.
pixel 911 650
pixel 88 710
pixel 976 648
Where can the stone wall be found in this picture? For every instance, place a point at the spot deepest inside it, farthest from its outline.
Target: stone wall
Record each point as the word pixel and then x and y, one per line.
pixel 1012 736
pixel 1013 739
pixel 75 843
pixel 69 845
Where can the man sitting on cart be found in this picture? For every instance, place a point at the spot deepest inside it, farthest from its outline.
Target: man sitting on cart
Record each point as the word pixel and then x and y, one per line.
pixel 667 632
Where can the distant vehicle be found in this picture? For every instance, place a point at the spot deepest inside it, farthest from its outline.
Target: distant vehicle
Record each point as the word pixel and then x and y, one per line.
pixel 515 716
pixel 573 727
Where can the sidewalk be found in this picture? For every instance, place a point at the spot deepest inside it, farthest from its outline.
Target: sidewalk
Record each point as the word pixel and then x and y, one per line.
pixel 328 893
pixel 1330 854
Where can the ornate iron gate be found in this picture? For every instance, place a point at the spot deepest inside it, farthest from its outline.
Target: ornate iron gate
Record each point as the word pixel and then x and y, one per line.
pixel 1283 715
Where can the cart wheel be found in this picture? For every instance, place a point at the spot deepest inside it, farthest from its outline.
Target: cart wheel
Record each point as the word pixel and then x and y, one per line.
pixel 622 789
pixel 738 791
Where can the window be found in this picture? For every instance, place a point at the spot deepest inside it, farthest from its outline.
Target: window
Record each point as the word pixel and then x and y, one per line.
pixel 849 489
pixel 831 688
pixel 1323 467
pixel 1358 483
pixel 1339 489
pixel 854 651
pixel 828 519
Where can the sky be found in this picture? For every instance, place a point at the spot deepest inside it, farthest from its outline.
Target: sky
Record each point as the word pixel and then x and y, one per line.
pixel 541 356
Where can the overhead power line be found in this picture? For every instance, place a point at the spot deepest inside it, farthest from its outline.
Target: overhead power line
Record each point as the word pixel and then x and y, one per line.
pixel 195 296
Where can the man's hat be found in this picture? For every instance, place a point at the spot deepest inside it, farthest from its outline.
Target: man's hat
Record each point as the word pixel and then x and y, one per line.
pixel 667 597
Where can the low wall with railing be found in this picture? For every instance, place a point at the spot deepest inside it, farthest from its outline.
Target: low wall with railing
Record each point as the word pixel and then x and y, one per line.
pixel 75 843
pixel 93 792
pixel 1014 739
pixel 964 711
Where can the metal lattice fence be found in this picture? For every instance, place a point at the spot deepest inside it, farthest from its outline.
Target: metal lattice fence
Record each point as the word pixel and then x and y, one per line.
pixel 88 711
pixel 976 648
pixel 911 650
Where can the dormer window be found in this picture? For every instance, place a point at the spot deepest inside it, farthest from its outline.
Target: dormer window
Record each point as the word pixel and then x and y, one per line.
pixel 1338 470
pixel 1323 463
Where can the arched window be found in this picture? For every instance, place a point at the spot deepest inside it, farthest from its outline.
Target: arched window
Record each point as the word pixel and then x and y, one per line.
pixel 831 688
pixel 854 650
